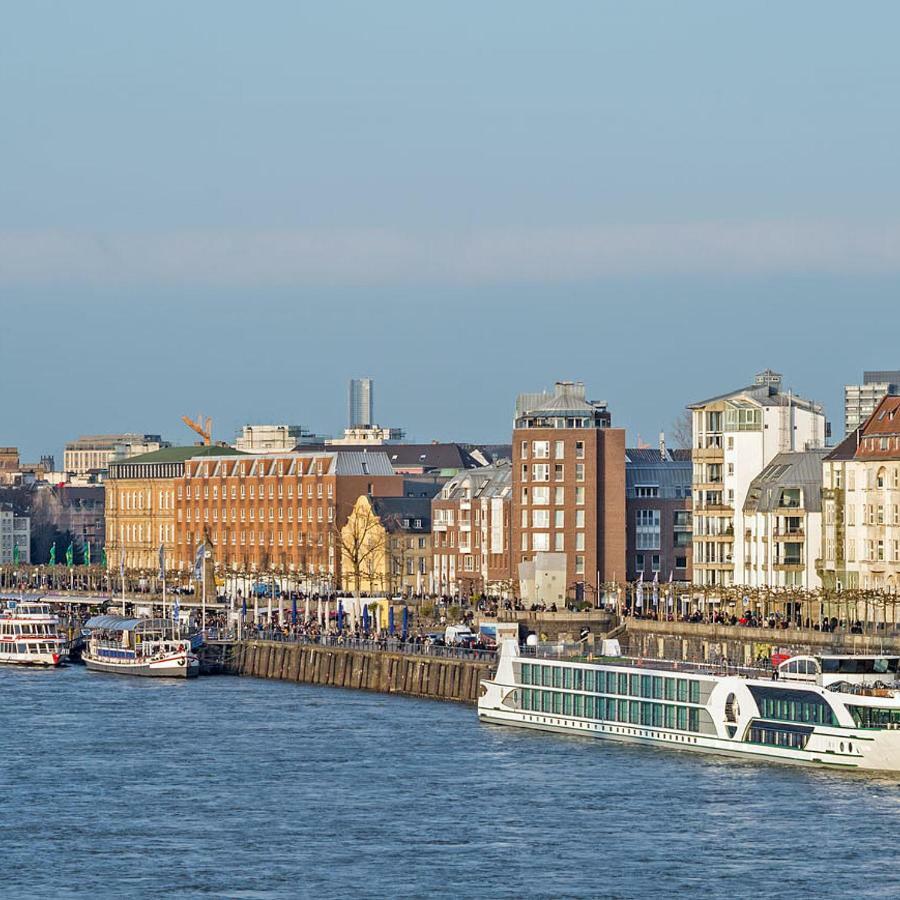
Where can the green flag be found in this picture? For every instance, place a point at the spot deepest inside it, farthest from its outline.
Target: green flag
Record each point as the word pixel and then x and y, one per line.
pixel 70 555
pixel 103 557
pixel 16 553
pixel 87 553
pixel 53 554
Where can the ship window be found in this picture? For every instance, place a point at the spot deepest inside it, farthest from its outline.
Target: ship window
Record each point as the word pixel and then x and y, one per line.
pixel 567 704
pixel 589 679
pixel 567 678
pixel 557 676
pixel 657 687
pixel 670 688
pixel 670 717
pixel 634 686
pixel 623 684
pixel 526 673
pixel 589 707
pixel 545 701
pixel 682 718
pixel 623 710
pixel 695 691
pixel 634 712
pixel 873 717
pixel 546 676
pixel 557 702
pixel 646 714
pixel 578 702
pixel 526 698
pixel 577 675
pixel 610 711
pixel 682 689
pixel 646 686
pixel 658 714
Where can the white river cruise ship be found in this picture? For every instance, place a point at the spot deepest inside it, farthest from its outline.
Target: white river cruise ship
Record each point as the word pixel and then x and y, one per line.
pixel 840 712
pixel 29 635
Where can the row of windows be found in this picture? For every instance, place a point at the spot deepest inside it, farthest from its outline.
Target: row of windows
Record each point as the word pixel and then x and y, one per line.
pixel 244 489
pixel 541 449
pixel 797 711
pixel 195 516
pixel 634 712
pixel 656 687
pixel 540 496
pixel 869 717
pixel 541 472
pixel 760 733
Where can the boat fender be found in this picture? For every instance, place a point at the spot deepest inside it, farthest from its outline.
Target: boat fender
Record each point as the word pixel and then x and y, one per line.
pixel 180 662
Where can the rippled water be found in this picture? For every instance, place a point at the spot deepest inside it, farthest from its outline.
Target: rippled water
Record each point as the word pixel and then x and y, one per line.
pixel 246 788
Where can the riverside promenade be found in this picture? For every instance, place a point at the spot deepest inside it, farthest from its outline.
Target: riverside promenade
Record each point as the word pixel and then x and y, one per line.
pixel 387 666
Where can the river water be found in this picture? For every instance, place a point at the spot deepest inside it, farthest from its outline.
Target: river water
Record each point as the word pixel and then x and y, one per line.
pixel 238 787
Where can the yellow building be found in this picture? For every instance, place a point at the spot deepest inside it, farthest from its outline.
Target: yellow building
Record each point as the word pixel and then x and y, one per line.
pixel 140 506
pixel 386 546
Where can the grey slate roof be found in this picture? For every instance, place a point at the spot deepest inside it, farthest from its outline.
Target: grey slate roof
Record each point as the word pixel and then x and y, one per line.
pixel 788 470
pixel 393 510
pixel 484 483
pixel 360 463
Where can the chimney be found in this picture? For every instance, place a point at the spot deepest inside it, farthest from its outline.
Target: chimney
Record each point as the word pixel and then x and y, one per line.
pixel 662 445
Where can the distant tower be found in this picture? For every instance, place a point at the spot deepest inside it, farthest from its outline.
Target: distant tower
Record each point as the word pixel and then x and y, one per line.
pixel 362 392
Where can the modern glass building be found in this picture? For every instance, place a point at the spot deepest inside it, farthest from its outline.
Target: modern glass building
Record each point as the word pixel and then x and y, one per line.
pixel 362 392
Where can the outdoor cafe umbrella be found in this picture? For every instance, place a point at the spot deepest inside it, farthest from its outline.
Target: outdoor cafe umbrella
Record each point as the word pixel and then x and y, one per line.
pixel 319 618
pixel 340 616
pixel 293 610
pixel 306 609
pixel 244 608
pixel 390 620
pixel 405 622
pixel 365 617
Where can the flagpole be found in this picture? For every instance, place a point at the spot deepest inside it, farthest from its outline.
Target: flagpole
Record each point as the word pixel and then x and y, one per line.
pixel 123 583
pixel 203 594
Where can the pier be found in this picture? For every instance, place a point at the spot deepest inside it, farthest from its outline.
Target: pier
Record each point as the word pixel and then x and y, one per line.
pixel 435 673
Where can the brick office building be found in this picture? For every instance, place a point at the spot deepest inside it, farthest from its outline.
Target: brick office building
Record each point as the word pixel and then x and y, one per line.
pixel 276 512
pixel 568 490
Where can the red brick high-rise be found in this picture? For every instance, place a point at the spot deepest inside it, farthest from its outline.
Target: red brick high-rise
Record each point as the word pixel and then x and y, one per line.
pixel 569 487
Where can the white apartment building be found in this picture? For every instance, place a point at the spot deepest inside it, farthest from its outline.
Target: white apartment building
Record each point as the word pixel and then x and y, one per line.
pixel 860 400
pixel 94 452
pixel 273 438
pixel 861 505
pixel 735 436
pixel 15 531
pixel 783 522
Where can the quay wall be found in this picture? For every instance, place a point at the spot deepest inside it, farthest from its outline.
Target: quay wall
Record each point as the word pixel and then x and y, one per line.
pixel 412 675
pixel 741 646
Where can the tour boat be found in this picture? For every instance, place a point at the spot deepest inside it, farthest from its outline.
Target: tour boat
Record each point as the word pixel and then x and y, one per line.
pixel 840 712
pixel 149 647
pixel 29 635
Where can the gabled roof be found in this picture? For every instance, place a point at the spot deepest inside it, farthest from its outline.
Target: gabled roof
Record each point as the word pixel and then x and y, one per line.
pixel 392 511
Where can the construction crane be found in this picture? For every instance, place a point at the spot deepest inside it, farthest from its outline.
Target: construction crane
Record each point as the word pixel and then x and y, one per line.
pixel 201 426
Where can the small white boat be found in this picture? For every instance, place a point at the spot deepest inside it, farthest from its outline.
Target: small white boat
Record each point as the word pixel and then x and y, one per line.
pixel 148 647
pixel 839 712
pixel 29 635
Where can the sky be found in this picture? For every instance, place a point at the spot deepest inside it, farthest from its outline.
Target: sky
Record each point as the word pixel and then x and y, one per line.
pixel 233 208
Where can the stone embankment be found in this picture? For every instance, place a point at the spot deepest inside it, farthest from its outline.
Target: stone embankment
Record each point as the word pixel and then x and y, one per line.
pixel 390 672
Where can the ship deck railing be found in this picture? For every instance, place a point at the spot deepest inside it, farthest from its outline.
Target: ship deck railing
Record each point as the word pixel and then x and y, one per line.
pixel 578 653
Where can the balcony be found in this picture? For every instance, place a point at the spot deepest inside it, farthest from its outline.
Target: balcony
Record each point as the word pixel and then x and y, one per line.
pixel 787 534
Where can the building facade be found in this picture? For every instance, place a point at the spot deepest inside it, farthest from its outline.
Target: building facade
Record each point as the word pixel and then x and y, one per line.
pixel 9 464
pixel 273 438
pixel 275 512
pixel 386 546
pixel 472 533
pixel 861 505
pixel 15 536
pixel 860 400
pixel 140 506
pixel 568 492
pixel 783 520
pixel 658 514
pixel 735 436
pixel 95 452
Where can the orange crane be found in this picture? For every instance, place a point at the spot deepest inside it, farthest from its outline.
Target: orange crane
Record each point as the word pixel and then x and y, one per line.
pixel 201 426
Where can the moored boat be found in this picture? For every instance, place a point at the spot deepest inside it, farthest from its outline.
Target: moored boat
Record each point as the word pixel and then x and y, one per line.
pixel 29 635
pixel 148 647
pixel 839 712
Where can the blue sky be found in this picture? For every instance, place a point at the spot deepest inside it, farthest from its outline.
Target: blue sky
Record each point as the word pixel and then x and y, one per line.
pixel 235 207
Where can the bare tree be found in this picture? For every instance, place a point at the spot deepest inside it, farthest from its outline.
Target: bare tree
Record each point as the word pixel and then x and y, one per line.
pixel 361 542
pixel 683 431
